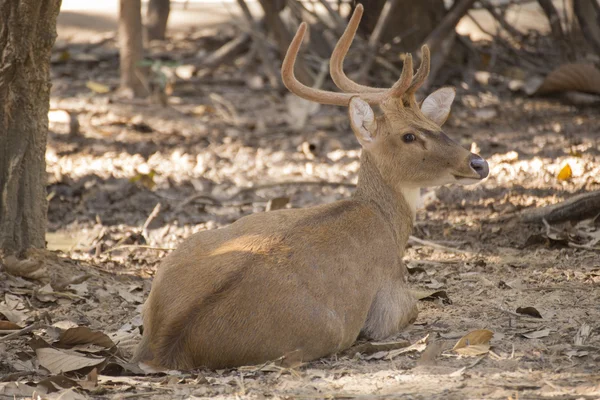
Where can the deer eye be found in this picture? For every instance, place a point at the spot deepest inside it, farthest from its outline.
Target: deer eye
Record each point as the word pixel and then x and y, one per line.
pixel 409 138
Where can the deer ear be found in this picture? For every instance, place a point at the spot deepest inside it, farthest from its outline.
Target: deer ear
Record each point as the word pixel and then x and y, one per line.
pixel 436 106
pixel 362 121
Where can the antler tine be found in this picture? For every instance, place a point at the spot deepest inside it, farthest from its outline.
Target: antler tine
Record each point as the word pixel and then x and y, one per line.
pixel 422 72
pixel 404 82
pixel 311 94
pixel 336 63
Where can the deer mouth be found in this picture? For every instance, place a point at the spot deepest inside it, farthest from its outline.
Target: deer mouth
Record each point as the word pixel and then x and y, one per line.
pixel 461 177
pixel 467 180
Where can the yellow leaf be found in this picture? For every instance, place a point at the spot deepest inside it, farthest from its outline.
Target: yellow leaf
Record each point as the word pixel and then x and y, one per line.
pixel 479 338
pixel 97 87
pixel 146 180
pixel 64 56
pixel 565 173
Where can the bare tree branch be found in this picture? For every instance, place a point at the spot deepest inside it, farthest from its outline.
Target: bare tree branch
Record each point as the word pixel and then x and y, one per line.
pixel 588 16
pixel 448 24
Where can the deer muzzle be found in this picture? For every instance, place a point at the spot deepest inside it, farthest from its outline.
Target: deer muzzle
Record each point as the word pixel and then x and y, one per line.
pixel 480 166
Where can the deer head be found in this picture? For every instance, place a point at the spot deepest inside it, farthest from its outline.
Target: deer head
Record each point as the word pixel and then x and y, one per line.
pixel 405 140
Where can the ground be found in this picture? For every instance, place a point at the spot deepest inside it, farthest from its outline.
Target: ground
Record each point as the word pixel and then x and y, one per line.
pixel 136 178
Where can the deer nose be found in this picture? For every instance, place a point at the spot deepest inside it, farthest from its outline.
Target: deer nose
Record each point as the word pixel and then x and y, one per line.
pixel 480 166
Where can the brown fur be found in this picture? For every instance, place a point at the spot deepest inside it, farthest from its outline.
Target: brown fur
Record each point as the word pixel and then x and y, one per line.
pixel 306 282
pixel 302 281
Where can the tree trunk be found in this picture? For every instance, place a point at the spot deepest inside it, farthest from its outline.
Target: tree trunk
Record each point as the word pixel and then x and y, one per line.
pixel 27 34
pixel 412 21
pixel 588 17
pixel 157 16
pixel 277 29
pixel 131 47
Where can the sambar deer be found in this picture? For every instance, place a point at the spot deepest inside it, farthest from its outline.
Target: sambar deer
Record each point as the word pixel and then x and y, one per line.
pixel 308 282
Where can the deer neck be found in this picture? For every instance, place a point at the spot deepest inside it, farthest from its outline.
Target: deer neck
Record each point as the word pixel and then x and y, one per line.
pixel 397 205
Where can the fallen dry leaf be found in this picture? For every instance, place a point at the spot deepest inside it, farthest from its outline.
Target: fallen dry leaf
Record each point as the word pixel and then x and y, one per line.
pixel 82 335
pixel 46 294
pixel 58 362
pixel 81 289
pixel 91 380
pixel 56 383
pixel 531 311
pixel 565 173
pixel 583 333
pixel 375 347
pixel 474 343
pixel 418 346
pixel 97 87
pixel 474 350
pixel 431 295
pixel 18 317
pixel 15 390
pixel 131 297
pixel 577 353
pixel 8 326
pixel 13 302
pixel 536 334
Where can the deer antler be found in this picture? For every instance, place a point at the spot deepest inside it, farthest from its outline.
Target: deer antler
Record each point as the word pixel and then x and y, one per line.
pixel 312 94
pixel 422 72
pixel 404 82
pixel 336 64
pixel 405 85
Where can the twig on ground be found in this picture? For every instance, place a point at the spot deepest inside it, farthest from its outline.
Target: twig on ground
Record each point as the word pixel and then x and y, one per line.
pixel 198 196
pixel 141 394
pixel 474 363
pixel 136 247
pixel 583 246
pixel 412 240
pixel 431 262
pixel 150 218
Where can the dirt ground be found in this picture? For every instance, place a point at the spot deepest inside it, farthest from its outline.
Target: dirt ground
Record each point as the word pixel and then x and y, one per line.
pixel 136 178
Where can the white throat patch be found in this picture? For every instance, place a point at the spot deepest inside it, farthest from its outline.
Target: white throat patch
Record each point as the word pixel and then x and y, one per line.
pixel 413 198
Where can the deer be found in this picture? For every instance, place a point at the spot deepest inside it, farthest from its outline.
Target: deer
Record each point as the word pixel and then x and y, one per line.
pixel 302 284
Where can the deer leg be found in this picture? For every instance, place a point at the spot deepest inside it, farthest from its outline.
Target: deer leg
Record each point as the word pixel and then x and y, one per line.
pixel 393 309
